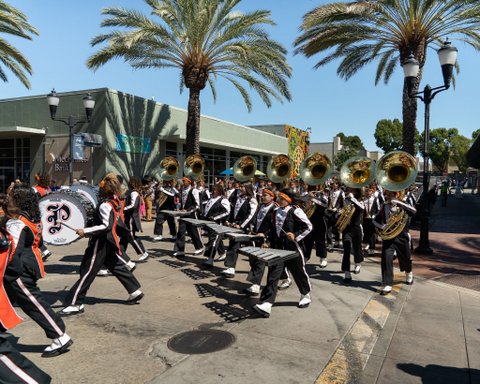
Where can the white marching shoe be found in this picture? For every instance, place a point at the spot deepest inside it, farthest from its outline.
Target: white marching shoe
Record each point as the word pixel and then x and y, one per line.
pixel 221 257
pixel 229 272
pixel 323 262
pixel 158 238
pixel 408 278
pixel 305 301
pixel 103 272
pixel 199 251
pixel 284 284
pixel 135 297
pixel 179 253
pixel 253 290
pixel 72 310
pixel 143 258
pixel 263 309
pixel 356 269
pixel 386 290
pixel 59 345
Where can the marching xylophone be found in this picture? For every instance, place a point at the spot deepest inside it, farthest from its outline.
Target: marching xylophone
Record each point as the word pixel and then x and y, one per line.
pixel 222 229
pixel 243 237
pixel 268 256
pixel 196 222
pixel 175 213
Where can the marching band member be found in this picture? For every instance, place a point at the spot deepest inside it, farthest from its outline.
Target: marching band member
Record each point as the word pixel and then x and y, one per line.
pixel 24 226
pixel 318 236
pixel 353 233
pixel 400 244
pixel 264 225
pixel 14 368
pixel 336 204
pixel 166 201
pixel 102 248
pixel 291 227
pixel 190 202
pixel 216 209
pixel 372 207
pixel 133 223
pixel 240 217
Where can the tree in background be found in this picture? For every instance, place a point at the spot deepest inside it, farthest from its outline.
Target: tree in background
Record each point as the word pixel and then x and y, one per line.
pixel 204 40
pixel 351 145
pixel 14 22
pixel 475 134
pixel 388 135
pixel 386 31
pixel 460 147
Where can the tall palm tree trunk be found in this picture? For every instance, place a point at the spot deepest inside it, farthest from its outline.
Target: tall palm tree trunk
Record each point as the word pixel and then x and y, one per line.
pixel 193 122
pixel 409 114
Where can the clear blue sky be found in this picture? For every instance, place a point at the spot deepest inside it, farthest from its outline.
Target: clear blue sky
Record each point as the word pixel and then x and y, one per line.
pixel 321 100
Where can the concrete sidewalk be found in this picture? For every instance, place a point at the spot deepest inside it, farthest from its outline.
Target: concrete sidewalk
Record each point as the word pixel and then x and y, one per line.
pixel 425 333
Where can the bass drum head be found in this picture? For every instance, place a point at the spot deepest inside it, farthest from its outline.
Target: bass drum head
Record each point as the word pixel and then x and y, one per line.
pixel 86 190
pixel 59 208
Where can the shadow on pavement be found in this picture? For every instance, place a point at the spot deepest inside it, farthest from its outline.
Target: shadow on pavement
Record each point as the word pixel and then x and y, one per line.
pixel 438 374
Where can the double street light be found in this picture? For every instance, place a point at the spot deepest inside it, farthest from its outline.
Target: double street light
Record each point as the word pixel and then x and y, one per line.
pixel 447 55
pixel 88 103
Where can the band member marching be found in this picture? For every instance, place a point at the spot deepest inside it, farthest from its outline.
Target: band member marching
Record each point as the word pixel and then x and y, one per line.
pixel 218 210
pixel 14 368
pixel 132 219
pixel 25 228
pixel 393 224
pixel 372 207
pixel 103 246
pixel 190 202
pixel 291 227
pixel 336 204
pixel 316 214
pixel 350 224
pixel 240 217
pixel 165 201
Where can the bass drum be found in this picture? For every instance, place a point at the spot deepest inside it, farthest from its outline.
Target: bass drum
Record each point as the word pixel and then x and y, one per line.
pixel 62 213
pixel 86 190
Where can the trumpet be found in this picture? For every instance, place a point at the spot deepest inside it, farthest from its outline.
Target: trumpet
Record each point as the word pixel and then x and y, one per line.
pixel 193 166
pixel 244 168
pixel 169 168
pixel 279 168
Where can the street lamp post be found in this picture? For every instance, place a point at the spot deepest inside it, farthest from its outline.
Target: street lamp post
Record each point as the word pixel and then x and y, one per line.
pixel 447 55
pixel 88 103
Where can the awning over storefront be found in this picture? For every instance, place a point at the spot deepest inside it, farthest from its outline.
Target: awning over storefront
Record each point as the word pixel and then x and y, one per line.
pixel 18 131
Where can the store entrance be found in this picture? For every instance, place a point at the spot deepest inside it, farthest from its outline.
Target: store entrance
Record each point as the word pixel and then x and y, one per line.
pixel 14 161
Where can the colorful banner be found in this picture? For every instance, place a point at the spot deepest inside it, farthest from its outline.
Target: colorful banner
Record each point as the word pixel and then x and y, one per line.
pixel 132 144
pixel 298 142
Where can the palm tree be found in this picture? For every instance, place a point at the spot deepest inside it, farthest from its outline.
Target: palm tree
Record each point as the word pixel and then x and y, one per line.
pixel 13 22
pixel 204 39
pixel 387 31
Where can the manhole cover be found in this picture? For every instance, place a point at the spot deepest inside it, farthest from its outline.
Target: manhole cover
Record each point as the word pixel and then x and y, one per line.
pixel 200 341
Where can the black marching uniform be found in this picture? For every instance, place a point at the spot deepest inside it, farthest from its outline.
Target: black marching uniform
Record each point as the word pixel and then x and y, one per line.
pixel 218 210
pixel 336 203
pixel 169 204
pixel 103 247
pixel 289 219
pixel 242 215
pixel 318 236
pixel 399 245
pixel 133 223
pixel 372 207
pixel 22 274
pixel 190 202
pixel 353 234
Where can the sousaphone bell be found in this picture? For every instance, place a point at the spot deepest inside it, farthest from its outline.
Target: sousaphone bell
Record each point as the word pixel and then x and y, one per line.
pixel 169 168
pixel 193 166
pixel 316 169
pixel 244 168
pixel 279 168
pixel 357 172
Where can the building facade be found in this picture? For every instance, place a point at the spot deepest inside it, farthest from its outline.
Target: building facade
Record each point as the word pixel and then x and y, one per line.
pixel 137 134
